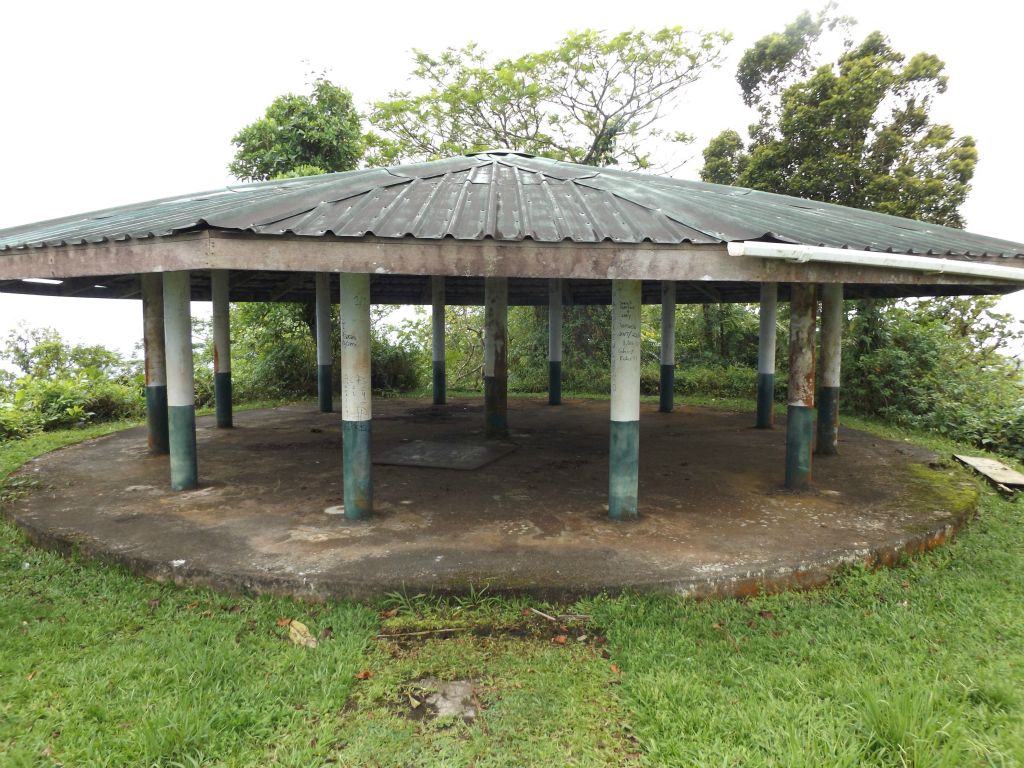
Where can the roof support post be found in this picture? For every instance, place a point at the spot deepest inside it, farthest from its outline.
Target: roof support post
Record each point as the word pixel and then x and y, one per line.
pixel 831 362
pixel 324 358
pixel 668 346
pixel 357 461
pixel 221 347
pixel 495 356
pixel 555 341
pixel 766 356
pixel 156 361
pixel 800 416
pixel 624 452
pixel 181 395
pixel 437 355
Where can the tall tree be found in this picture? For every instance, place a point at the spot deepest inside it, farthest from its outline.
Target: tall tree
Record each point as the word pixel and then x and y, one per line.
pixel 301 136
pixel 857 132
pixel 593 99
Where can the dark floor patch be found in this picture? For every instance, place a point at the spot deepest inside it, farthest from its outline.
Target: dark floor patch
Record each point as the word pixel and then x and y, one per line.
pixel 454 455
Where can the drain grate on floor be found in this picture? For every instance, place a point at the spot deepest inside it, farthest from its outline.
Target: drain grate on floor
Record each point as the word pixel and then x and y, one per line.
pixel 426 453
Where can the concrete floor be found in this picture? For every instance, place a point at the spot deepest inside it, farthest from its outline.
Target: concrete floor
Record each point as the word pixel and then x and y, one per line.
pixel 714 518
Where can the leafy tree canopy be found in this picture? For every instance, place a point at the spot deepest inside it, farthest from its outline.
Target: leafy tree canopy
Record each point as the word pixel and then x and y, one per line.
pixel 856 132
pixel 594 99
pixel 301 136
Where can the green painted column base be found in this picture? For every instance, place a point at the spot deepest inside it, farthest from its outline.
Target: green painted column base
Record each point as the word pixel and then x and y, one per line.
pixel 222 399
pixel 799 433
pixel 440 383
pixel 828 421
pixel 495 407
pixel 554 382
pixel 324 384
pixel 765 401
pixel 357 468
pixel 667 391
pixel 181 420
pixel 624 470
pixel 156 418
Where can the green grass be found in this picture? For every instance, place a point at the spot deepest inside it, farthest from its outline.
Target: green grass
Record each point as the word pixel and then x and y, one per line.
pixel 921 665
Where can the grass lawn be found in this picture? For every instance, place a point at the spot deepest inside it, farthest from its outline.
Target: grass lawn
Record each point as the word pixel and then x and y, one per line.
pixel 922 665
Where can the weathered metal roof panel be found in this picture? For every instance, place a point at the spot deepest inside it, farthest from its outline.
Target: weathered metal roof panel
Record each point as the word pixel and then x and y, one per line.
pixel 510 196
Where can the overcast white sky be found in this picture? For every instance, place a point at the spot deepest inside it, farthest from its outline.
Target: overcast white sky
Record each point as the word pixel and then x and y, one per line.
pixel 107 103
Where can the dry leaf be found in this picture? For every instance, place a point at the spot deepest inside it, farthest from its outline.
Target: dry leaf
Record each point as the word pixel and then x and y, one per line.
pixel 298 633
pixel 364 674
pixel 766 614
pixel 389 614
pixel 236 608
pixel 559 639
pixel 30 675
pixel 716 625
pixel 283 622
pixel 615 668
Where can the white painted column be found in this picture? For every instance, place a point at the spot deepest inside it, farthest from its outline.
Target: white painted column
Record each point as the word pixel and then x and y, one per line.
pixel 324 361
pixel 437 356
pixel 831 362
pixel 668 346
pixel 495 356
pixel 356 391
pixel 155 361
pixel 624 453
pixel 555 341
pixel 766 356
pixel 181 395
pixel 221 346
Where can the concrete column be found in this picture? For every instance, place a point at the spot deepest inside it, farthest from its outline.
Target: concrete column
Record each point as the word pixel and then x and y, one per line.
pixel 555 341
pixel 668 345
pixel 221 347
pixel 156 361
pixel 437 345
pixel 324 379
pixel 357 461
pixel 181 394
pixel 495 356
pixel 624 453
pixel 831 360
pixel 766 357
pixel 800 415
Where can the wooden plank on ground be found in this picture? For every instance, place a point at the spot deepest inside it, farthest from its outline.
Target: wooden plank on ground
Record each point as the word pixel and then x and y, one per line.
pixel 996 471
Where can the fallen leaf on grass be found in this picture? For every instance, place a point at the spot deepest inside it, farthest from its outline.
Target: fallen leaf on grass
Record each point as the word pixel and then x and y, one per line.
pixel 766 614
pixel 559 639
pixel 236 608
pixel 154 603
pixel 364 674
pixel 716 625
pixel 389 614
pixel 298 633
pixel 30 675
pixel 326 634
pixel 615 668
pixel 283 622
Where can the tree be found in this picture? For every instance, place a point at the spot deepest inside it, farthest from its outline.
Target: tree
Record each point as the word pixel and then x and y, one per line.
pixel 858 133
pixel 593 99
pixel 855 133
pixel 301 136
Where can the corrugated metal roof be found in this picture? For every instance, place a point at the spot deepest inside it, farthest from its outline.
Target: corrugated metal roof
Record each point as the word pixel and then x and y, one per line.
pixel 511 196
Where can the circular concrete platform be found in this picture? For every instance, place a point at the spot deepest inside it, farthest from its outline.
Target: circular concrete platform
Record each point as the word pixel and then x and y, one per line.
pixel 714 518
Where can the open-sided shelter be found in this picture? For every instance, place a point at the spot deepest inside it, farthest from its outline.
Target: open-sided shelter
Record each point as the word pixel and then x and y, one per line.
pixel 496 228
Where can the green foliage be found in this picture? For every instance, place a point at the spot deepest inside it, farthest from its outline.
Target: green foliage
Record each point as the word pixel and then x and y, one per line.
pixel 61 385
pixel 301 136
pixel 593 99
pixel 856 132
pixel 936 365
pixel 273 350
